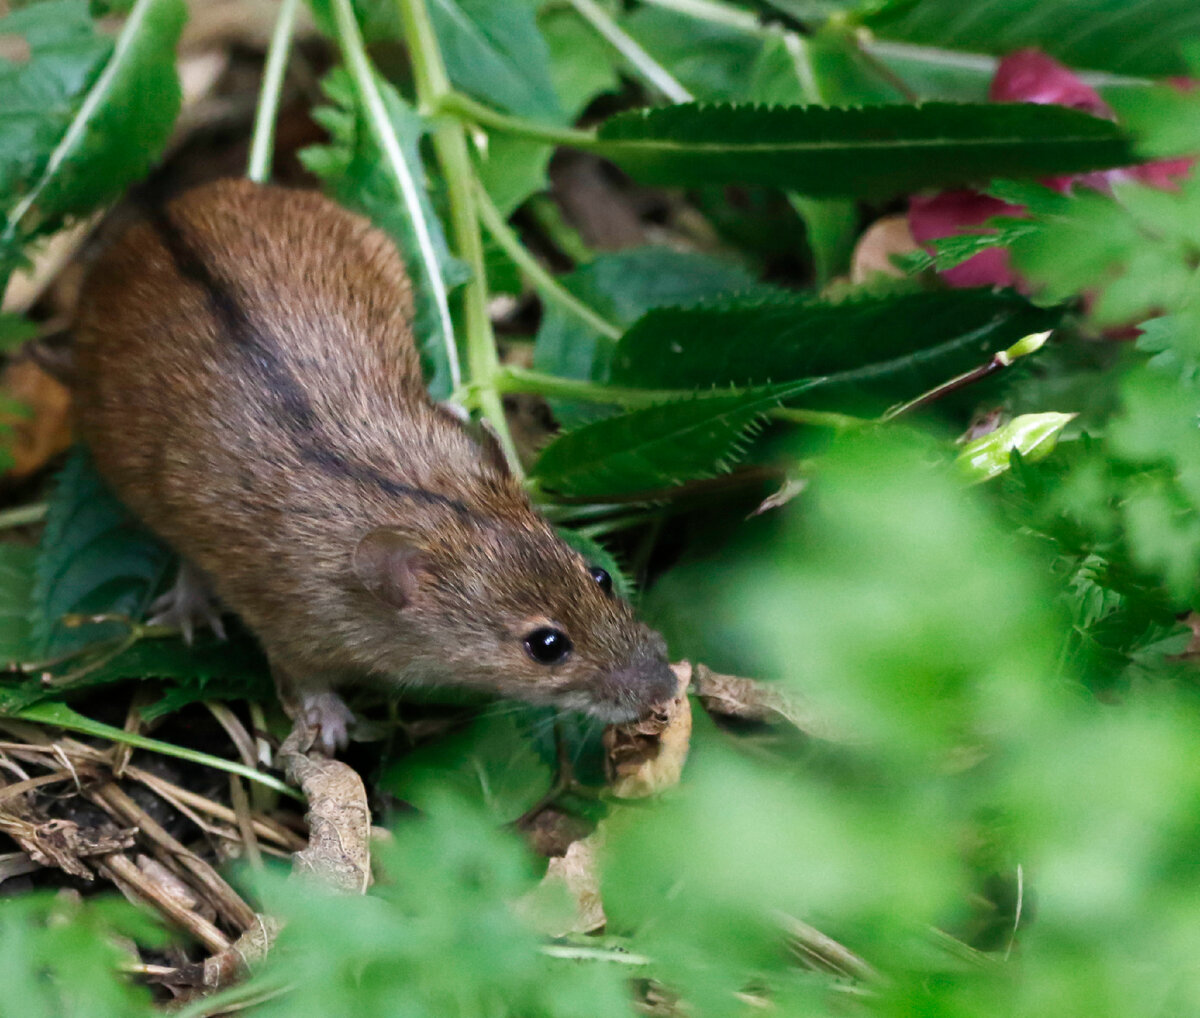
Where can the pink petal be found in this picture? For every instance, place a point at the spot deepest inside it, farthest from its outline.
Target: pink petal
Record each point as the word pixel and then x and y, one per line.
pixel 1028 75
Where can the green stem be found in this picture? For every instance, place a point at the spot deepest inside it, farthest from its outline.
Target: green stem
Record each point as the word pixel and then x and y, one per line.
pixel 513 379
pixel 450 144
pixel 646 67
pixel 462 107
pixel 58 716
pixel 262 145
pixel 379 123
pixel 819 418
pixel 23 515
pixel 549 287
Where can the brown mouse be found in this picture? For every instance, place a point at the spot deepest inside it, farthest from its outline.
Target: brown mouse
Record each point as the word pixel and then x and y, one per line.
pixel 247 380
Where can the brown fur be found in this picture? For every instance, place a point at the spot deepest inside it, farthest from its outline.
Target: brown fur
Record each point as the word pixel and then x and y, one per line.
pixel 248 384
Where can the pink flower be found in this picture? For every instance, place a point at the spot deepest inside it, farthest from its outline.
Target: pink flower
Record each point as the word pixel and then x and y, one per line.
pixel 1027 75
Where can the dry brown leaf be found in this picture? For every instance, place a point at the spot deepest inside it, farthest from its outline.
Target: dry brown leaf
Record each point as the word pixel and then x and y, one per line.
pixel 750 700
pixel 578 872
pixel 873 253
pixel 339 819
pixel 645 757
pixel 45 431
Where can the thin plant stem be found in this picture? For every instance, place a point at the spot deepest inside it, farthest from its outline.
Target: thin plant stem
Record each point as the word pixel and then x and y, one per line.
pixel 52 714
pixel 462 107
pixel 645 66
pixel 549 287
pixel 514 379
pixel 262 146
pixel 450 145
pixel 23 515
pixel 714 13
pixel 362 74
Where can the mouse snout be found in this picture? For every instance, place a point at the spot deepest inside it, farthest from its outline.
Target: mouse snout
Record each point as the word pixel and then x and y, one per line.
pixel 629 693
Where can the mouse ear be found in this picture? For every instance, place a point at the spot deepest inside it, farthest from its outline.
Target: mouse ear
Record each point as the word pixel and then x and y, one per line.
pixel 390 566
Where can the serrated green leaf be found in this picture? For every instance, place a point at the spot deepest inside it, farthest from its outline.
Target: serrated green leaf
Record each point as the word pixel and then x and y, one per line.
pixel 657 447
pixel 119 123
pixel 94 558
pixel 880 349
pixel 871 151
pixel 495 52
pixel 623 286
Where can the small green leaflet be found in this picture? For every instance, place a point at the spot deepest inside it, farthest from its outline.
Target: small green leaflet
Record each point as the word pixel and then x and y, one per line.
pixel 870 151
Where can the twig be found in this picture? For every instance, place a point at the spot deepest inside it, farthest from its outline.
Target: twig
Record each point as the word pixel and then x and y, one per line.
pixel 241 807
pixel 176 856
pixel 132 882
pixel 827 952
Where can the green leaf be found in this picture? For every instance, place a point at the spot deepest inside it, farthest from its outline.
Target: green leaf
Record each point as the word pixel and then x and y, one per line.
pixel 707 58
pixel 873 151
pixel 658 447
pixel 16 596
pixel 94 558
pixel 15 330
pixel 1139 38
pixel 622 287
pixel 116 130
pixel 37 96
pixel 491 763
pixel 210 669
pixel 582 65
pixel 353 171
pixel 884 348
pixel 495 53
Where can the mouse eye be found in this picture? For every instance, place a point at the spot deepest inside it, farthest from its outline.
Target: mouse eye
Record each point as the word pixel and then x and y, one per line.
pixel 602 578
pixel 547 646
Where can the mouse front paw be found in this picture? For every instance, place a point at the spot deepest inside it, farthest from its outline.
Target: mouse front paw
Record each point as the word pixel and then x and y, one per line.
pixel 328 714
pixel 189 605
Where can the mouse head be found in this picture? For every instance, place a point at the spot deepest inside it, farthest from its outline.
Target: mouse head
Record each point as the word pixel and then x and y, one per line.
pixel 509 608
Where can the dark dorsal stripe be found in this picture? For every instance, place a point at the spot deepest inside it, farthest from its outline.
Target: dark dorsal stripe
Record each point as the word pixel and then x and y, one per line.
pixel 289 403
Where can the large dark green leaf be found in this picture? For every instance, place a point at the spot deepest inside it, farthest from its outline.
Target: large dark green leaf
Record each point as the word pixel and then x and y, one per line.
pixel 657 447
pixel 94 558
pixel 622 287
pixel 890 347
pixel 864 152
pixel 1139 37
pixel 495 52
